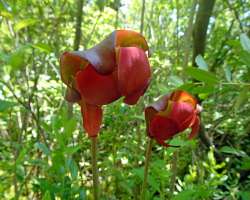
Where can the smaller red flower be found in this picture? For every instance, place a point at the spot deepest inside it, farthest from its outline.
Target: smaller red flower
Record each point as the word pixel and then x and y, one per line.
pixel 172 114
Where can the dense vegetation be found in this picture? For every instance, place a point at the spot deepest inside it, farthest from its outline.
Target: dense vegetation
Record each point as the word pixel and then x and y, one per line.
pixel 201 46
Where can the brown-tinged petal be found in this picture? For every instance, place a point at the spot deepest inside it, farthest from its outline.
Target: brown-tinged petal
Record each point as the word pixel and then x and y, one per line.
pixel 92 118
pixel 72 95
pixel 103 57
pixel 183 96
pixel 128 38
pixel 133 70
pixel 70 64
pixel 97 89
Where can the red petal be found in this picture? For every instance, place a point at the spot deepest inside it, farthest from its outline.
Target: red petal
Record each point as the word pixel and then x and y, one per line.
pixel 133 70
pixel 92 119
pixel 163 128
pixel 152 110
pixel 195 128
pixel 182 114
pixel 97 89
pixel 132 99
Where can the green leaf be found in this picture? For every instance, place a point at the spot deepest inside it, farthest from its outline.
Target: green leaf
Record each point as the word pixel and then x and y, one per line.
pixel 73 169
pixel 71 150
pixel 42 47
pixel 245 164
pixel 241 99
pixel 175 80
pixel 47 196
pixel 201 63
pixel 202 75
pixel 203 89
pixel 245 57
pixel 17 58
pixel 245 195
pixel 24 23
pixel 138 172
pixel 42 147
pixel 231 150
pixel 6 105
pixel 228 73
pixel 21 156
pixel 82 194
pixel 6 14
pixel 245 42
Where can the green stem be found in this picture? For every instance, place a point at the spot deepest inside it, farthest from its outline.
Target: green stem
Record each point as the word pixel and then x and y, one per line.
pixel 147 160
pixel 94 168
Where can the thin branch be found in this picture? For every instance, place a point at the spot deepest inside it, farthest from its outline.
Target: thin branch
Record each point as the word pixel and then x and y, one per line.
pixel 236 14
pixel 142 16
pixel 27 106
pixel 78 30
pixel 220 58
pixel 188 34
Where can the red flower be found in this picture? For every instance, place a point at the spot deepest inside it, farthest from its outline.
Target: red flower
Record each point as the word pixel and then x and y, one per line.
pixel 171 115
pixel 116 67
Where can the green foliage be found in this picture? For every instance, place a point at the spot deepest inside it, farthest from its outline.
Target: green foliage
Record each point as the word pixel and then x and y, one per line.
pixel 45 154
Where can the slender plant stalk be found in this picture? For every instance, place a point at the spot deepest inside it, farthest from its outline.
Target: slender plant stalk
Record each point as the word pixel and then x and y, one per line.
pixel 147 160
pixel 174 172
pixel 94 168
pixel 142 16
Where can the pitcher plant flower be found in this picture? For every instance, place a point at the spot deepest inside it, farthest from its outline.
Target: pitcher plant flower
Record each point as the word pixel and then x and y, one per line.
pixel 171 114
pixel 116 67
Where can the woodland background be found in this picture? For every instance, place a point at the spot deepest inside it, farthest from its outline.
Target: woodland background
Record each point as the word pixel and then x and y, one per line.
pixel 201 46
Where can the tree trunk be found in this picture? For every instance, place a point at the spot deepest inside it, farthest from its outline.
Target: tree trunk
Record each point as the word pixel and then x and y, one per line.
pixel 78 34
pixel 78 30
pixel 200 28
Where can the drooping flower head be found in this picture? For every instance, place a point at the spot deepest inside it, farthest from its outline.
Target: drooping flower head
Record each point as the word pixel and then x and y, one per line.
pixel 172 114
pixel 116 67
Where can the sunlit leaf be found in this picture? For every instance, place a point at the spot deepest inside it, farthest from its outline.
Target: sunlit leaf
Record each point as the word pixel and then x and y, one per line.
pixel 228 73
pixel 6 14
pixel 241 99
pixel 202 75
pixel 24 23
pixel 201 63
pixel 245 42
pixel 42 47
pixel 175 80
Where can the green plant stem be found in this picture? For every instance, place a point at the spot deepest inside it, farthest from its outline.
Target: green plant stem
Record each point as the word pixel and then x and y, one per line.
pixel 174 172
pixel 146 166
pixel 94 168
